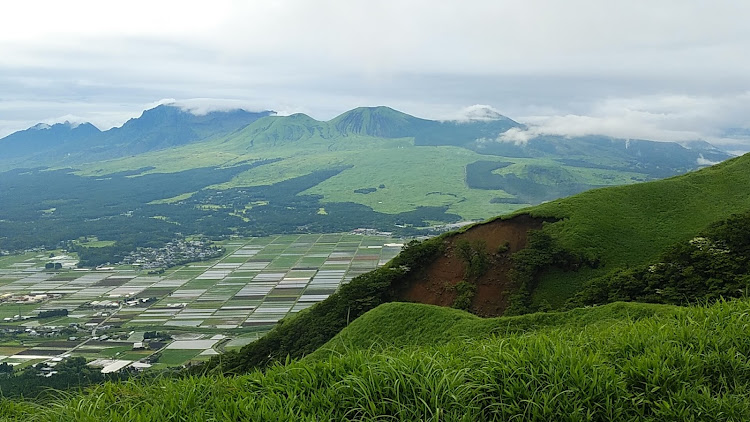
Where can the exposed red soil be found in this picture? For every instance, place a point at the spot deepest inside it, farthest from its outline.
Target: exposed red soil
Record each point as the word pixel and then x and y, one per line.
pixel 433 285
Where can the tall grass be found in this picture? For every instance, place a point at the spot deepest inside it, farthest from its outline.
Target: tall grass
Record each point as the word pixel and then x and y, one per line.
pixel 675 367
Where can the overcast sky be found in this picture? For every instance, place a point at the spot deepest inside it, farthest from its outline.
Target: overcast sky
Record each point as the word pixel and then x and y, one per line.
pixel 665 70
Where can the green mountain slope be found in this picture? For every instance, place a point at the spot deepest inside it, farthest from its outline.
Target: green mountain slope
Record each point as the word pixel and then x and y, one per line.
pixel 168 126
pixel 633 225
pixel 380 146
pixel 381 122
pixel 657 365
pixel 275 131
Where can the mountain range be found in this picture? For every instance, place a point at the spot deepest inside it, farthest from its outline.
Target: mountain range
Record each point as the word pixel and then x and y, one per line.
pixel 158 128
pixel 168 126
pixel 256 172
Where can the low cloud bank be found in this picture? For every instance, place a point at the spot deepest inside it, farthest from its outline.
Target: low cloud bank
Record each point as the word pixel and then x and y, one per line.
pixel 705 162
pixel 666 118
pixel 203 106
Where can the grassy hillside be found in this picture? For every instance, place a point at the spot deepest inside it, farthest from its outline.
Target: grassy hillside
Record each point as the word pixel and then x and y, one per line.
pixel 714 264
pixel 406 172
pixel 632 225
pixel 685 365
pixel 399 325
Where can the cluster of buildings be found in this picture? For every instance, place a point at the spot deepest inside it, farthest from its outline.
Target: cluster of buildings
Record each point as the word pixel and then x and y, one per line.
pixel 27 299
pixel 370 232
pixel 4 252
pixel 114 304
pixel 173 253
pixel 102 304
pixel 448 227
pixel 39 330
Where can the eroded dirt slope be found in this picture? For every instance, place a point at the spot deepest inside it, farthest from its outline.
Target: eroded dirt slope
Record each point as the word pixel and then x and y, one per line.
pixel 433 285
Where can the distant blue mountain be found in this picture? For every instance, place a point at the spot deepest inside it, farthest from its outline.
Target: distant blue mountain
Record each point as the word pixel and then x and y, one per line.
pixel 43 137
pixel 167 126
pixel 386 122
pixel 161 127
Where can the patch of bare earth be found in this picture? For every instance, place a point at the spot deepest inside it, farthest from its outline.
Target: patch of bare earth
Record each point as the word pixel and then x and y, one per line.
pixel 433 285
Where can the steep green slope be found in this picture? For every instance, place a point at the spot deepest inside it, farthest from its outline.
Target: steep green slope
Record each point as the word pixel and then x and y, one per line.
pixel 382 122
pixel 632 225
pixel 687 365
pixel 714 264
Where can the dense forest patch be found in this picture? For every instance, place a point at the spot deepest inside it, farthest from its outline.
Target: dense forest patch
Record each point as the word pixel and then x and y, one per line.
pixel 49 207
pixel 538 184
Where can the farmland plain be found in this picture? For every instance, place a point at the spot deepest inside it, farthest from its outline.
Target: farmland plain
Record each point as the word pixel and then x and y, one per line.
pixel 205 307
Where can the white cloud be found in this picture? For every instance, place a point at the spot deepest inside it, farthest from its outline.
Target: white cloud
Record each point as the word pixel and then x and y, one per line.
pixel 163 101
pixel 297 37
pixel 705 162
pixel 519 136
pixel 477 112
pixel 628 125
pixel 71 119
pixel 203 106
pixel 661 118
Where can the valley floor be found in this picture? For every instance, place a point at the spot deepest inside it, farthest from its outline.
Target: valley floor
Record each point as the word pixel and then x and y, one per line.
pixel 206 307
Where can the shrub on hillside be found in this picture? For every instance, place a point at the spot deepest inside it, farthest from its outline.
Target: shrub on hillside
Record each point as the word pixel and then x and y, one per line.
pixel 541 253
pixel 465 293
pixel 475 257
pixel 713 265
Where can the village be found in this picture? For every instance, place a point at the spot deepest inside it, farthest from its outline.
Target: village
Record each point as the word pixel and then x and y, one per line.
pixel 176 252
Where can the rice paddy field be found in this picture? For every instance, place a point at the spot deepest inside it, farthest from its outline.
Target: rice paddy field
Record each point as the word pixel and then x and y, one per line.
pixel 207 307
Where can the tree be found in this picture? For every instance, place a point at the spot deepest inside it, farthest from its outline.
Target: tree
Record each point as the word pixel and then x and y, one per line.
pixel 6 368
